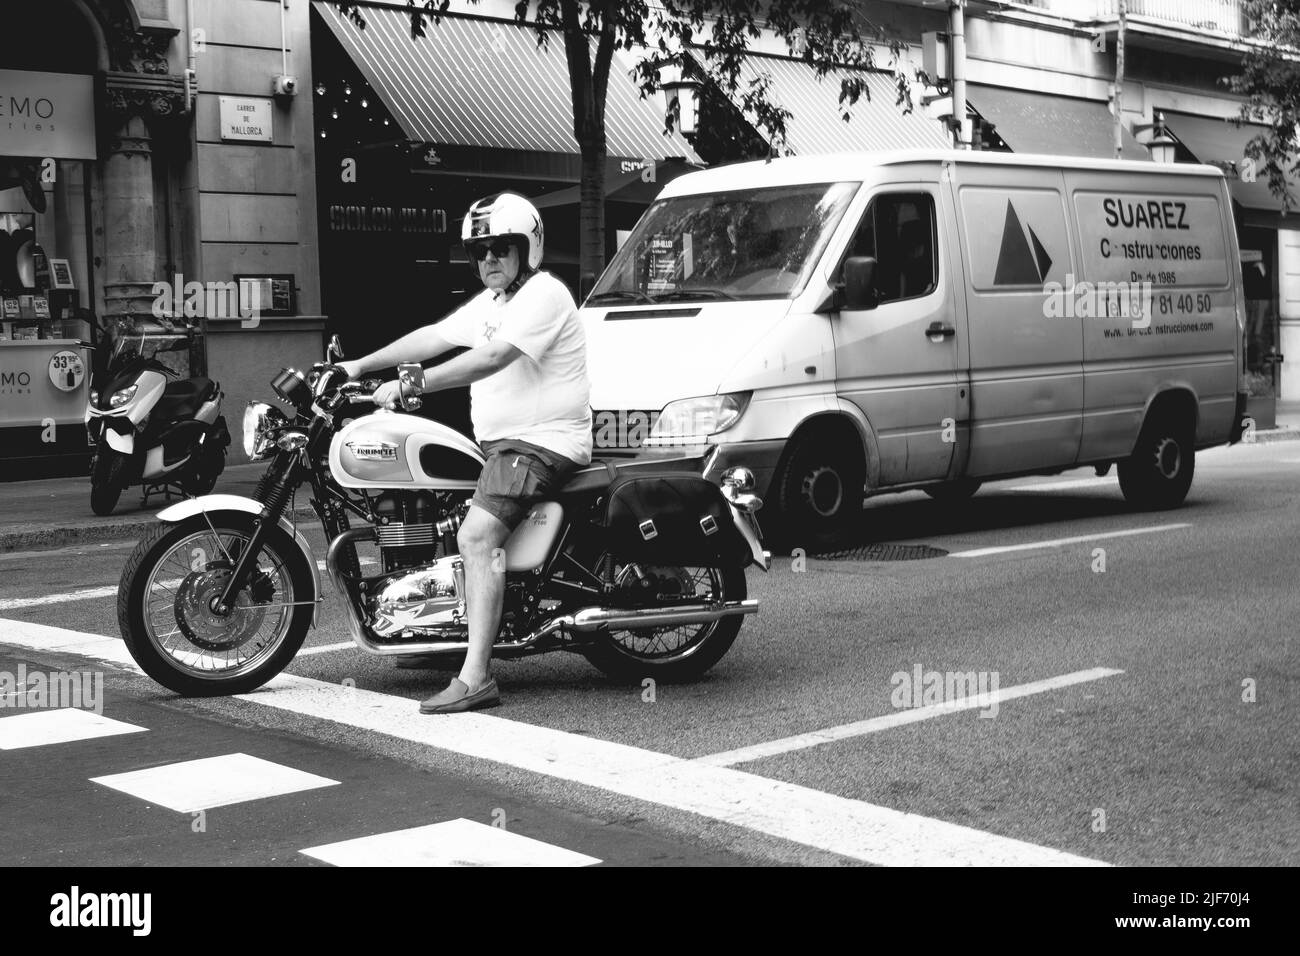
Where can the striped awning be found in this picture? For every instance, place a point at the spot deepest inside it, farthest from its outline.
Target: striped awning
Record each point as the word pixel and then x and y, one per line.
pixel 1222 143
pixel 1053 125
pixel 486 83
pixel 817 125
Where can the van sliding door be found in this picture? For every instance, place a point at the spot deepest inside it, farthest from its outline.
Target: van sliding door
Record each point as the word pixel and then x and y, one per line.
pixel 1026 358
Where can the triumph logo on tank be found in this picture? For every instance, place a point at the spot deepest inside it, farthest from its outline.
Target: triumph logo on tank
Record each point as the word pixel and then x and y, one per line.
pixel 373 451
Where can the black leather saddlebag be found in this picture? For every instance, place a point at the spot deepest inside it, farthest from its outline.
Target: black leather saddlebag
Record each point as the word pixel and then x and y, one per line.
pixel 672 519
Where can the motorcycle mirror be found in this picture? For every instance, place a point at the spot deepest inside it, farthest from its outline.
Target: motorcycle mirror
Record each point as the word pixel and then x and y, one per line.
pixel 334 351
pixel 410 375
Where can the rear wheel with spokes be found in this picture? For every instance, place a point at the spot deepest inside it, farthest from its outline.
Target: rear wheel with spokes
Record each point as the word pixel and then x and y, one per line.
pixel 167 605
pixel 678 652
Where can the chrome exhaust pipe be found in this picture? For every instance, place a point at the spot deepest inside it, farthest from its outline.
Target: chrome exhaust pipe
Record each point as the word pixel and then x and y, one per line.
pixel 626 619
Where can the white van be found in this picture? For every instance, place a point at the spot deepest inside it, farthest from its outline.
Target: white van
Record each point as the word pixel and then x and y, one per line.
pixel 858 324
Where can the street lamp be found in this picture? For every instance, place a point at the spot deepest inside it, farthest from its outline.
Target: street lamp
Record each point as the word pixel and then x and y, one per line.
pixel 683 91
pixel 1162 146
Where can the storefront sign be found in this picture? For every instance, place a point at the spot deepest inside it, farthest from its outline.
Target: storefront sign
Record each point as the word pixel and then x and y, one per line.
pixel 47 115
pixel 386 219
pixel 66 370
pixel 246 119
pixel 34 383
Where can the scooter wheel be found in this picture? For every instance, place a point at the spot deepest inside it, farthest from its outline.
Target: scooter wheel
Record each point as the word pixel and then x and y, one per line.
pixel 107 481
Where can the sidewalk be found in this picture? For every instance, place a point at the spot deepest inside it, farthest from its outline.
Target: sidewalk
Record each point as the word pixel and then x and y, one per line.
pixel 51 512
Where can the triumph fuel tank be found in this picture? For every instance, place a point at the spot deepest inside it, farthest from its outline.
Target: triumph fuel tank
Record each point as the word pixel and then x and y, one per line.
pixel 392 450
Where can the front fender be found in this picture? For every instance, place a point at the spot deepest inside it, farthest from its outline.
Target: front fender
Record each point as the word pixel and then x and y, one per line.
pixel 747 531
pixel 213 504
pixel 125 444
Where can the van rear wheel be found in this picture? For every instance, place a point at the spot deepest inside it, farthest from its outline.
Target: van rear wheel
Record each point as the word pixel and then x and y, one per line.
pixel 1158 474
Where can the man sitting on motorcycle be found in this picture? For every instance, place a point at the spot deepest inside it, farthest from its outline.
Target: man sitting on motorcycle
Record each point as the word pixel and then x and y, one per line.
pixel 529 394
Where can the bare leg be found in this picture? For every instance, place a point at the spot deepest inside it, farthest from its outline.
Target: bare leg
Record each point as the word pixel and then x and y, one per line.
pixel 480 538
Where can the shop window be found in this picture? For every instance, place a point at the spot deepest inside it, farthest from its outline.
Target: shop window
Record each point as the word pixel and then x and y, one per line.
pixel 898 231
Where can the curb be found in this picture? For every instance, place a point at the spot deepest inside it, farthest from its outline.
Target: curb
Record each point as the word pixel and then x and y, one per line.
pixel 40 539
pixel 1269 435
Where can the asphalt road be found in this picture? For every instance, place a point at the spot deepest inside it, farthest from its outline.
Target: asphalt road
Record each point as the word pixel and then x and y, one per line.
pixel 1168 737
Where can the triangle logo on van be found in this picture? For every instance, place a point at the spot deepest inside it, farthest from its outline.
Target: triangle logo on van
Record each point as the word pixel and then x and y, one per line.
pixel 1018 263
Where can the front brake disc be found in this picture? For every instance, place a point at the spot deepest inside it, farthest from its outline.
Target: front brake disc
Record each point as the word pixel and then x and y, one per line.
pixel 205 628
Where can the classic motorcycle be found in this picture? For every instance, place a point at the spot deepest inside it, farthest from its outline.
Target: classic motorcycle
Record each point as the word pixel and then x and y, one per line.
pixel 218 596
pixel 150 427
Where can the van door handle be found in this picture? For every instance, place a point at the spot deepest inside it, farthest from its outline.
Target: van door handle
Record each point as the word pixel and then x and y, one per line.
pixel 938 328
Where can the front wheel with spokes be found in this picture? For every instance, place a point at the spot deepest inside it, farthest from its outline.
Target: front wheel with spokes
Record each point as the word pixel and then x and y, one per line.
pixel 679 652
pixel 167 605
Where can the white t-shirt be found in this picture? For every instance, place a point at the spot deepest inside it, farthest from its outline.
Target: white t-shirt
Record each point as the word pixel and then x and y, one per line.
pixel 543 396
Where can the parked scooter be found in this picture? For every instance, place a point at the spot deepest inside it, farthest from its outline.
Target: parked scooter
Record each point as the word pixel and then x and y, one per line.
pixel 164 435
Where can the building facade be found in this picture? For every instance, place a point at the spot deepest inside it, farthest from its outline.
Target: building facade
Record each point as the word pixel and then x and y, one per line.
pixel 148 159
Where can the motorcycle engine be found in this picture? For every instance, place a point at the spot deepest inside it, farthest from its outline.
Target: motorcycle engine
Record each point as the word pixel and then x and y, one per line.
pixel 428 601
pixel 413 526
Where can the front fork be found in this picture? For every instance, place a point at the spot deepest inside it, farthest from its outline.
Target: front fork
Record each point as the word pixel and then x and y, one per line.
pixel 282 481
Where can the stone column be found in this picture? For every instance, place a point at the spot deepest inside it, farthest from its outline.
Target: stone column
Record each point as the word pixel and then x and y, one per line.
pixel 130 256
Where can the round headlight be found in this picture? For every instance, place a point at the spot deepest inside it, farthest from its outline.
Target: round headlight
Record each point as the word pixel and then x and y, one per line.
pixel 260 420
pixel 292 386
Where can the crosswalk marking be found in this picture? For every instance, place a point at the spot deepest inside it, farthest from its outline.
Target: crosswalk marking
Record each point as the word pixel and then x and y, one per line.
pixel 850 828
pixel 59 726
pixel 213 782
pixel 453 843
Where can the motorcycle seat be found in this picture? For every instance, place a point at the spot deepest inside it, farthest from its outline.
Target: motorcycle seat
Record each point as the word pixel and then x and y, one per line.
pixel 182 398
pixel 601 474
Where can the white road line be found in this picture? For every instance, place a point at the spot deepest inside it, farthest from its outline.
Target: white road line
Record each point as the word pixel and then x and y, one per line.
pixel 912 715
pixel 88 594
pixel 85 594
pixel 1107 482
pixel 849 828
pixel 325 648
pixel 1059 542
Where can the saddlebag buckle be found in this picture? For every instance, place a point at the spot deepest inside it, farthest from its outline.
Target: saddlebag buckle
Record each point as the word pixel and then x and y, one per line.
pixel 647 529
pixel 708 525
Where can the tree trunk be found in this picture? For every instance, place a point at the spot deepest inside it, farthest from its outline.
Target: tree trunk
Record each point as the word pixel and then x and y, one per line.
pixel 591 217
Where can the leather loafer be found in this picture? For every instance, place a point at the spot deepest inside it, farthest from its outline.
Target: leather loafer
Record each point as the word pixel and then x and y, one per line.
pixel 456 697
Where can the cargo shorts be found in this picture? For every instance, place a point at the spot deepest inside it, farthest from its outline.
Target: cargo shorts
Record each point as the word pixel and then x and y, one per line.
pixel 517 475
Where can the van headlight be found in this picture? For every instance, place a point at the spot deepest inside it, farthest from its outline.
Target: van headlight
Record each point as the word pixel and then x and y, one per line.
pixel 261 421
pixel 694 419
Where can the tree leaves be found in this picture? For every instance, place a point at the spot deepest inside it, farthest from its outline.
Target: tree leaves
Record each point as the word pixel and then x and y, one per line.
pixel 1270 81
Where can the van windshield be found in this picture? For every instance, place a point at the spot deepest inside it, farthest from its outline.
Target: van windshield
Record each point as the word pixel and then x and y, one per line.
pixel 743 244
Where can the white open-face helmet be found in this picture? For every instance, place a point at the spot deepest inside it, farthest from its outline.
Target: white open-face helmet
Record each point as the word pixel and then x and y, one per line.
pixel 506 216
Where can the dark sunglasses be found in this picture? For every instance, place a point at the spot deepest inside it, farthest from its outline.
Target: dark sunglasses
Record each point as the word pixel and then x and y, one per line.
pixel 499 248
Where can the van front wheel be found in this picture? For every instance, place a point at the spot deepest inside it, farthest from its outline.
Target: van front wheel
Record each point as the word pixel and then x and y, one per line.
pixel 819 493
pixel 1158 474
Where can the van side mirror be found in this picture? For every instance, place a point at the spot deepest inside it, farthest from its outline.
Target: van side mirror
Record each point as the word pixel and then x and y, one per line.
pixel 858 291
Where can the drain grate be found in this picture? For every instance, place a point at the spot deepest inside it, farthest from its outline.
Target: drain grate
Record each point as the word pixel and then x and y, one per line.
pixel 884 552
